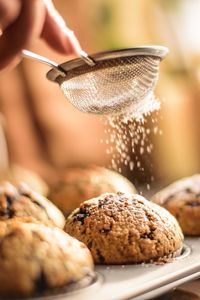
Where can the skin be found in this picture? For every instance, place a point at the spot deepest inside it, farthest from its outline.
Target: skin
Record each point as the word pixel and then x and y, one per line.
pixel 22 22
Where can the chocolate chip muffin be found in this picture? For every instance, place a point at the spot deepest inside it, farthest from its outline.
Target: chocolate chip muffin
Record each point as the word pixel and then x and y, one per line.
pixel 35 259
pixel 82 183
pixel 15 174
pixel 182 199
pixel 122 229
pixel 22 202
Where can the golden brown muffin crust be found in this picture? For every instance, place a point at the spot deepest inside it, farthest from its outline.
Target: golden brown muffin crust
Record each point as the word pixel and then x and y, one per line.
pixel 82 183
pixel 22 202
pixel 120 229
pixel 35 258
pixel 182 199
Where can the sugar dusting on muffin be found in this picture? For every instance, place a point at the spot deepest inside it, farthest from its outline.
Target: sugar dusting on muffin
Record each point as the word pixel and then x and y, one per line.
pixel 182 199
pixel 121 229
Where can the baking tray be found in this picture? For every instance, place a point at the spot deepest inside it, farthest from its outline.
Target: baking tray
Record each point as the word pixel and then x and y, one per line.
pixel 139 282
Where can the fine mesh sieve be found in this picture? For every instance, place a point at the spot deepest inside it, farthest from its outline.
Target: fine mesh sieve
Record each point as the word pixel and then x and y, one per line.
pixel 111 85
pixel 107 82
pixel 117 79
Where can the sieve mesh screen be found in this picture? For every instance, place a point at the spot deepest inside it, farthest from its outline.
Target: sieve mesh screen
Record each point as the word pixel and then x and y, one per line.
pixel 112 85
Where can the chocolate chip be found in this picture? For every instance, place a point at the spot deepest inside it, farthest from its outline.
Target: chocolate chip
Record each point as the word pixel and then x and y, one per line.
pixel 81 215
pixel 41 283
pixel 107 198
pixel 9 211
pixel 10 199
pixel 193 203
pixel 80 218
pixel 148 236
pixel 4 213
pixel 38 204
pixel 101 203
pixel 101 257
pixel 25 193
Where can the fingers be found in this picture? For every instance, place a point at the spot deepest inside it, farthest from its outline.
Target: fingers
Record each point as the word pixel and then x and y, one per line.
pixel 20 33
pixel 9 11
pixel 23 21
pixel 56 34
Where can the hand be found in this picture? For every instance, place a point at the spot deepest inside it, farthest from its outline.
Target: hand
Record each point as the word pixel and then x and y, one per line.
pixel 24 21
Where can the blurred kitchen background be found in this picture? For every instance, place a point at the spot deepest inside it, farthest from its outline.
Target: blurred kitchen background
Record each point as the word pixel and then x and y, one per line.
pixel 45 133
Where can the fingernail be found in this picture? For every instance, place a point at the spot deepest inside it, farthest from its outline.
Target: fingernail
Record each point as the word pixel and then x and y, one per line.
pixel 60 21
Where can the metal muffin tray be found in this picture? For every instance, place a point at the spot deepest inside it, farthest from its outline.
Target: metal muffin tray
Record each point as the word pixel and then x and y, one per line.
pixel 138 282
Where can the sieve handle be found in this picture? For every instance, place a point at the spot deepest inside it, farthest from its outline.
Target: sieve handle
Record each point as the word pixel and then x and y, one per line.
pixel 53 64
pixel 44 60
pixel 89 61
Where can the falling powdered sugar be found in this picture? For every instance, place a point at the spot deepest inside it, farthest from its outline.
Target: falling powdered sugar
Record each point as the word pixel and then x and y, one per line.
pixel 127 132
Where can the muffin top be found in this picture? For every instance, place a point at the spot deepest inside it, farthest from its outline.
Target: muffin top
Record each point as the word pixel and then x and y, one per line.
pixel 78 184
pixel 186 189
pixel 120 228
pixel 16 174
pixel 35 258
pixel 21 201
pixel 182 199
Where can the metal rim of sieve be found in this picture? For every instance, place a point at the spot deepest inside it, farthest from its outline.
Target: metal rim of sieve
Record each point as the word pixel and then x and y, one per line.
pixel 57 75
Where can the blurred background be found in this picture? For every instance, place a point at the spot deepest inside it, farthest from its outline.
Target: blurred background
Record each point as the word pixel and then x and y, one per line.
pixel 45 133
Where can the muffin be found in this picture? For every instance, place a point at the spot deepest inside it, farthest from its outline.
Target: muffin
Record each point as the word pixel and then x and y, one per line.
pixel 16 174
pixel 123 229
pixel 22 202
pixel 182 199
pixel 82 183
pixel 35 259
